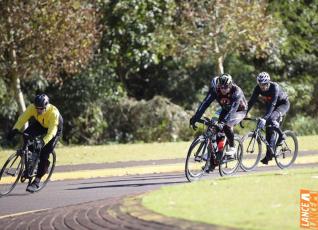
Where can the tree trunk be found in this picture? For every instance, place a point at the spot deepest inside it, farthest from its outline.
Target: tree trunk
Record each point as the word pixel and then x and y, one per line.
pixel 13 73
pixel 220 59
pixel 16 86
pixel 15 82
pixel 220 68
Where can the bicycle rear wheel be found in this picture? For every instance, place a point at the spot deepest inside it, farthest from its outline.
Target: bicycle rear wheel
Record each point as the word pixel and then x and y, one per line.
pixel 11 173
pixel 227 165
pixel 286 153
pixel 51 165
pixel 252 151
pixel 197 159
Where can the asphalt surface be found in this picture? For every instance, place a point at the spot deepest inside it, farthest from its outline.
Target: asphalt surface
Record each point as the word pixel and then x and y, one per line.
pixel 94 203
pixel 62 193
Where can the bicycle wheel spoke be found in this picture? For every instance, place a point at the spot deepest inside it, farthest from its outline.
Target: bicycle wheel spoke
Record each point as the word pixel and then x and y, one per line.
pixel 252 155
pixel 48 171
pixel 230 165
pixel 287 152
pixel 10 174
pixel 196 163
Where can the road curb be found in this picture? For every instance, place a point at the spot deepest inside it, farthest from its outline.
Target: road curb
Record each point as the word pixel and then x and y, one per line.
pixel 133 206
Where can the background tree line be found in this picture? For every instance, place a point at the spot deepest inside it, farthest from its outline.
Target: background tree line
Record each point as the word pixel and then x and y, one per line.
pixel 129 70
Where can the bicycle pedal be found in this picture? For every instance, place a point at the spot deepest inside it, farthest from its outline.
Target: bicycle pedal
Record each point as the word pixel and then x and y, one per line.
pixel 198 159
pixel 12 172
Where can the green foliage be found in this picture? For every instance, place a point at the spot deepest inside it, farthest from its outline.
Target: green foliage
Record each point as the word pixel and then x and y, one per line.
pixel 136 33
pixel 88 127
pixel 94 58
pixel 304 125
pixel 154 120
pixel 217 28
pixel 46 37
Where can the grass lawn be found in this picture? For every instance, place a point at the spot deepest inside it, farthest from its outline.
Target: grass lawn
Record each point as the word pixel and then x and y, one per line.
pixel 254 201
pixel 130 152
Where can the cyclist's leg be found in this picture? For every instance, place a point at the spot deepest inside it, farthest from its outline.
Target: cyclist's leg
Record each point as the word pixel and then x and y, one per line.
pixel 45 152
pixel 233 120
pixel 270 138
pixel 282 110
pixel 227 129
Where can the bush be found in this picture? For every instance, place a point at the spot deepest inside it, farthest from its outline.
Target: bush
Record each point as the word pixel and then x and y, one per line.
pixel 154 120
pixel 88 127
pixel 304 125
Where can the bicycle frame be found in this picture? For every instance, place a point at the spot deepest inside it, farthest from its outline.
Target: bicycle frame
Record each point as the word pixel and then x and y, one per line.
pixel 30 162
pixel 210 135
pixel 257 133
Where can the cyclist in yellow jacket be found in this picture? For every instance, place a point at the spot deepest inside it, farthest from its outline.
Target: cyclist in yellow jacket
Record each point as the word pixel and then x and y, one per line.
pixel 48 123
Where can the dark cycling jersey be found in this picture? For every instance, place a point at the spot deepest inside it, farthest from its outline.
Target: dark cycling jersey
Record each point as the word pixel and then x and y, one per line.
pixel 272 98
pixel 232 102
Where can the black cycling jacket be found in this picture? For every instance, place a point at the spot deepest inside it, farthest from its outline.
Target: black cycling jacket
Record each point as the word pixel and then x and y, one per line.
pixel 272 98
pixel 232 102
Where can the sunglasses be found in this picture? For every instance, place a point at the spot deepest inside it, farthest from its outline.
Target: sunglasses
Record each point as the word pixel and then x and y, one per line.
pixel 224 86
pixel 263 84
pixel 40 108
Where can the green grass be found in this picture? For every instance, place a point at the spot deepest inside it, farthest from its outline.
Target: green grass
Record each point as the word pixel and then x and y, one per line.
pixel 130 152
pixel 115 152
pixel 257 201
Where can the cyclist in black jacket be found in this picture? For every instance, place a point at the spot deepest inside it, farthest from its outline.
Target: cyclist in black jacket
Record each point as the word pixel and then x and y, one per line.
pixel 233 103
pixel 277 105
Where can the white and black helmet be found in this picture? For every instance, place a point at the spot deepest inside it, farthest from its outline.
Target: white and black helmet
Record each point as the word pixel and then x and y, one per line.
pixel 224 80
pixel 41 100
pixel 214 82
pixel 263 78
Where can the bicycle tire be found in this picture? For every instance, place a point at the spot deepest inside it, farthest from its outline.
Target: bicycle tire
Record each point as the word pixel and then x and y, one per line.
pixel 236 162
pixel 49 173
pixel 250 160
pixel 7 184
pixel 195 169
pixel 280 156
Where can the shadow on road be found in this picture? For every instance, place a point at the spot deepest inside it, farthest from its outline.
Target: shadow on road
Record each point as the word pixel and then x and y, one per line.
pixel 130 183
pixel 135 178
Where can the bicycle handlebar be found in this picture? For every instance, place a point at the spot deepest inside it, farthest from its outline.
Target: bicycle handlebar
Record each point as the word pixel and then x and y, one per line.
pixel 28 136
pixel 248 119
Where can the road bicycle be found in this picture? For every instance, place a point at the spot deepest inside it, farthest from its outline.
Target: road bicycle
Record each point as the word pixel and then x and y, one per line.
pixel 285 154
pixel 23 164
pixel 207 152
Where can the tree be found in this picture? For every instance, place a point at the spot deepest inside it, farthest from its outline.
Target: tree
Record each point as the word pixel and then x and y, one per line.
pixel 214 29
pixel 137 34
pixel 44 38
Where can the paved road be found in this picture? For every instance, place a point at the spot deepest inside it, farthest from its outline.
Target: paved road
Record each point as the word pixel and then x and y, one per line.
pixel 92 204
pixel 68 192
pixel 62 193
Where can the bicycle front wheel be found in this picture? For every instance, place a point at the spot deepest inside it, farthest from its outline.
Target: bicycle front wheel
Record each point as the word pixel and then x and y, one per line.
pixel 49 171
pixel 252 151
pixel 10 173
pixel 197 159
pixel 287 152
pixel 228 165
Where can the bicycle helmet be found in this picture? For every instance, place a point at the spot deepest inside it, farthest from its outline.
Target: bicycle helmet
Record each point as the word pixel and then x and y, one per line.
pixel 224 80
pixel 41 100
pixel 214 83
pixel 263 78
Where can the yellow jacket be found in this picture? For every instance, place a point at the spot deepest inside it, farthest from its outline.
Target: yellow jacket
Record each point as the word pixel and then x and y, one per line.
pixel 48 119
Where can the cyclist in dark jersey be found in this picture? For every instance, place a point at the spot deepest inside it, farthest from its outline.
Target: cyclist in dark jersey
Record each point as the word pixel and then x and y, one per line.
pixel 232 100
pixel 277 105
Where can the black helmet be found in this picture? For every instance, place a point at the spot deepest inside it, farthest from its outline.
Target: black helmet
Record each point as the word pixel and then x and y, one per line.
pixel 41 100
pixel 224 80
